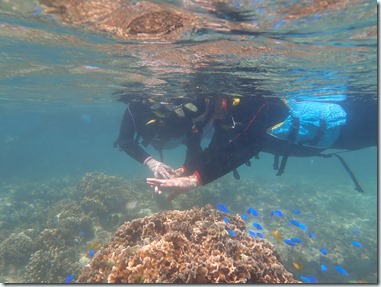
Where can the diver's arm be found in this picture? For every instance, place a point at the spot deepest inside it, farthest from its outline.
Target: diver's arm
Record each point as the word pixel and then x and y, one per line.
pixel 260 114
pixel 193 153
pixel 198 157
pixel 221 164
pixel 126 139
pixel 127 143
pixel 234 155
pixel 220 158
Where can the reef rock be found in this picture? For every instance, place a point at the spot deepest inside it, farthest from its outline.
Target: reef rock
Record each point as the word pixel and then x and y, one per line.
pixel 124 19
pixel 192 246
pixel 15 250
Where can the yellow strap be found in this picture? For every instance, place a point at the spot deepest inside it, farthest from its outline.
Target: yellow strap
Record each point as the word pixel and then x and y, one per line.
pixel 150 122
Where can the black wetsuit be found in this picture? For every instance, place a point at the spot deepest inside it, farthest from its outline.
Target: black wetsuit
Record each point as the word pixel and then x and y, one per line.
pixel 232 147
pixel 142 127
pixel 239 137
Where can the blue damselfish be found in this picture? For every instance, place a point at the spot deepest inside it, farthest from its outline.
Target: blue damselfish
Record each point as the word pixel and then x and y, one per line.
pixel 341 270
pixel 222 208
pixel 252 211
pixel 257 226
pixel 289 242
pixel 298 224
pixel 277 213
pixel 296 240
pixel 357 244
pixel 69 278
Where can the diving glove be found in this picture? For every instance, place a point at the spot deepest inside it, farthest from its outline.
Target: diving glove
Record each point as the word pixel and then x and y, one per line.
pixel 159 169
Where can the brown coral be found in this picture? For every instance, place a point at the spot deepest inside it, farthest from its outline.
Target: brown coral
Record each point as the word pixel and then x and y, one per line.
pixel 15 250
pixel 191 246
pixel 124 19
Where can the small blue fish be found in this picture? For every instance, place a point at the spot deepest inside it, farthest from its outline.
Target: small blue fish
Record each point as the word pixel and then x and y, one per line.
pixel 356 231
pixel 296 211
pixel 323 268
pixel 305 279
pixel 81 233
pixel 289 242
pixel 311 235
pixel 91 253
pixel 231 232
pixel 37 10
pixel 259 234
pixel 323 251
pixel 280 23
pixel 298 224
pixel 69 278
pixel 222 208
pixel 357 244
pixel 277 213
pixel 294 222
pixel 257 226
pixel 302 226
pixel 226 220
pixel 252 233
pixel 312 279
pixel 244 217
pixel 296 240
pixel 252 211
pixel 341 270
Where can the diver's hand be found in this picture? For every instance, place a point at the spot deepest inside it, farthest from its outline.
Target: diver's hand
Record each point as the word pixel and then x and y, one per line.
pixel 174 186
pixel 159 169
pixel 180 171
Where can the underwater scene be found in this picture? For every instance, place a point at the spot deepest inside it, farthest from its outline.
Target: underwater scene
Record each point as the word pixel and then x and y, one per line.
pixel 188 141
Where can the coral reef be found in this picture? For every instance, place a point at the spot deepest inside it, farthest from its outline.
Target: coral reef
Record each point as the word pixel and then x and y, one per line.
pixel 192 246
pixel 16 250
pixel 107 200
pixel 63 223
pixel 52 265
pixel 60 231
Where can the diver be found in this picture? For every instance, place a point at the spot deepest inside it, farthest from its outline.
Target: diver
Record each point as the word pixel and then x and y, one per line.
pixel 164 125
pixel 283 127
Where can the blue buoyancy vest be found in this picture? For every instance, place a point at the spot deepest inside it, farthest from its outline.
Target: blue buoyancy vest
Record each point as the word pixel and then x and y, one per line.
pixel 318 123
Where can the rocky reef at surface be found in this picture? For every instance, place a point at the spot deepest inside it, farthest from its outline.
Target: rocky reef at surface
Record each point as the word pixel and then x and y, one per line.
pixel 192 246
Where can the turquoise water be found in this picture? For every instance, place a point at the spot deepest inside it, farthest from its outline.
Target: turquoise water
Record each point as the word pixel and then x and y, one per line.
pixel 59 117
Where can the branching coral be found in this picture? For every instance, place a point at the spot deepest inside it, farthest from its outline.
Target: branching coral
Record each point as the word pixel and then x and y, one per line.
pixel 190 246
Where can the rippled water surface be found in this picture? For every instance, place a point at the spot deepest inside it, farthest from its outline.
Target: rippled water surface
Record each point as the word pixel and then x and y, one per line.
pixel 232 47
pixel 65 65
